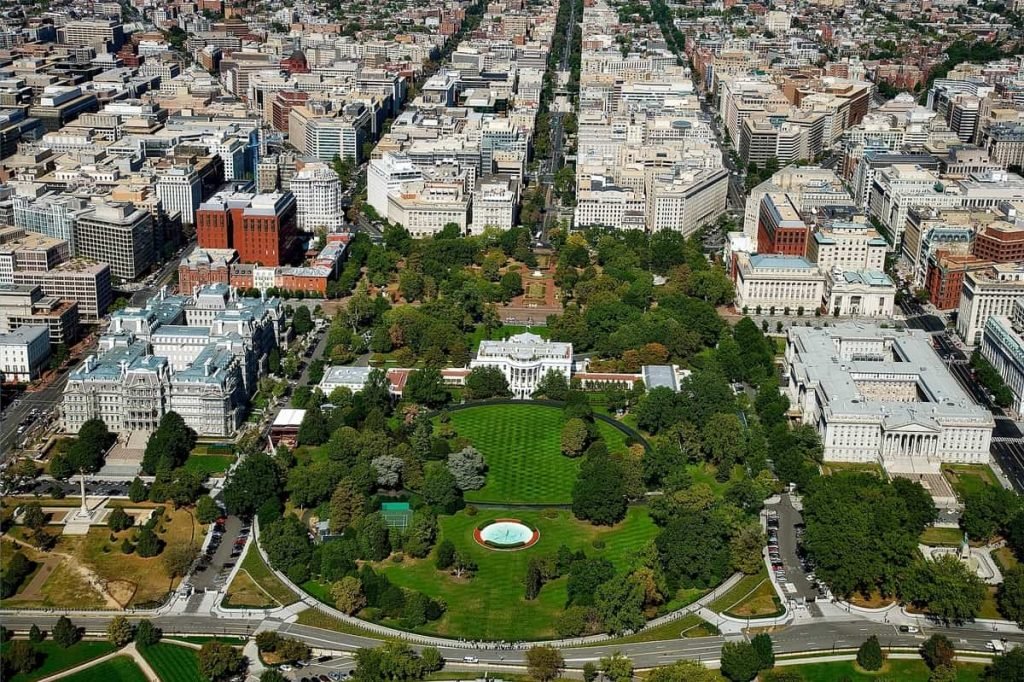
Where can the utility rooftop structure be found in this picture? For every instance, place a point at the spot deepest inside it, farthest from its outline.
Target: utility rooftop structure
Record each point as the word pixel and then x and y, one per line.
pixel 884 395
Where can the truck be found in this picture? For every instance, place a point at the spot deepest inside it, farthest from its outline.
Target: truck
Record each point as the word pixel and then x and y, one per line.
pixel 996 645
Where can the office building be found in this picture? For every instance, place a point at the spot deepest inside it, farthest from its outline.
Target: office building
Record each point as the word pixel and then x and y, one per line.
pixel 1002 344
pixel 781 230
pixel 317 191
pixel 883 395
pixel 24 353
pixel 986 293
pixel 778 283
pixel 22 305
pixel 119 234
pixel 180 191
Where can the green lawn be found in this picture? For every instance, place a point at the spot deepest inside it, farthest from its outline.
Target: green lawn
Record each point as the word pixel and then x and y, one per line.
pixel 967 479
pixel 688 626
pixel 502 333
pixel 262 576
pixel 902 670
pixel 208 464
pixel 491 605
pixel 522 447
pixel 119 669
pixel 173 663
pixel 55 659
pixel 951 537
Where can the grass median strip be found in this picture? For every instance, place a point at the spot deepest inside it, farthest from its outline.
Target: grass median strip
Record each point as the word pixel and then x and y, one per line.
pixel 265 578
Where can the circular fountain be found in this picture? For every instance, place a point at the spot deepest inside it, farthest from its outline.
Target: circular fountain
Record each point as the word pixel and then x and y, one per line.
pixel 506 534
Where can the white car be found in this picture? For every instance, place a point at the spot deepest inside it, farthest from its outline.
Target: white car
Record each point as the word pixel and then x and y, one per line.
pixel 285 668
pixel 470 659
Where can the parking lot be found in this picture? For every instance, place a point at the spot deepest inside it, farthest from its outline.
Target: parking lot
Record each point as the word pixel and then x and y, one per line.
pixel 793 572
pixel 230 536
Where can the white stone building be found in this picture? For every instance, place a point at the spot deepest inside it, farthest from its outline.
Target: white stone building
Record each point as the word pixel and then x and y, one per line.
pixel 386 175
pixel 524 359
pixel 859 293
pixel 495 203
pixel 23 353
pixel 180 191
pixel 770 281
pixel 1002 344
pixel 317 191
pixel 987 293
pixel 883 395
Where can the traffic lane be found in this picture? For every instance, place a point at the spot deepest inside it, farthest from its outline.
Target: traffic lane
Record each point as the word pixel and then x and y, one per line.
pixel 45 400
pixel 1007 428
pixel 1010 457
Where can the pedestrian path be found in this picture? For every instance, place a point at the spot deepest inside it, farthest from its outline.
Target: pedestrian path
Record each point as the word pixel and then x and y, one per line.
pixel 130 651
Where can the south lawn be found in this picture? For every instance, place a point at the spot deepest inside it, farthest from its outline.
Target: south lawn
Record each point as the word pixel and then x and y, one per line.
pixel 491 605
pixel 522 447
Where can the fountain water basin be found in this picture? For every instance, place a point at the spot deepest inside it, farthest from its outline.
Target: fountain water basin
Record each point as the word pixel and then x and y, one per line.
pixel 506 534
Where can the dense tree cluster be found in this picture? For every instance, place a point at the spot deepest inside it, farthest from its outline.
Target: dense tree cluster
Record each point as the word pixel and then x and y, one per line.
pixel 86 453
pixel 863 533
pixel 395 661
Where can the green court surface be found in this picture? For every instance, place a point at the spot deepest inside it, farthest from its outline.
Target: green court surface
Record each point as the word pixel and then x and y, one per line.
pixel 521 444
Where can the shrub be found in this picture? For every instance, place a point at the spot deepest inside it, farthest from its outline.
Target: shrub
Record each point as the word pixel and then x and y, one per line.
pixel 869 656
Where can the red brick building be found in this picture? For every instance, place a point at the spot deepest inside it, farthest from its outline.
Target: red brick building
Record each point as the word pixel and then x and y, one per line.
pixel 1001 243
pixel 260 227
pixel 780 229
pixel 945 277
pixel 203 267
pixel 282 105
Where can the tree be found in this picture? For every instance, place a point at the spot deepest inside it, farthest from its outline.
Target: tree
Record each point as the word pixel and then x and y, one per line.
pixel 463 565
pixel 574 437
pixel 178 558
pixel 137 491
pixel 20 657
pixel 445 555
pixel 426 387
pixel 946 587
pixel 692 550
pixel 740 662
pixel 119 520
pixel 388 469
pixel 374 537
pixel 34 517
pixel 617 667
pixel 534 579
pixel 441 489
pixel 683 671
pixel 486 382
pixel 119 631
pixel 65 633
pixel 272 675
pixel 206 510
pixel 86 454
pixel 765 651
pixel 723 439
pixel 1007 668
pixel 35 635
pixel 218 660
pixel 938 651
pixel 146 634
pixel 544 663
pixel 169 446
pixel 347 506
pixel 599 494
pixel 290 650
pixel 348 595
pixel 1011 594
pixel 253 482
pixel 302 321
pixel 869 655
pixel 314 429
pixel 286 542
pixel 553 386
pixel 621 606
pixel 468 467
pixel 589 671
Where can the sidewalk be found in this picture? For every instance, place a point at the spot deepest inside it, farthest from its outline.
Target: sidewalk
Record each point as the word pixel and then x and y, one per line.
pixel 130 651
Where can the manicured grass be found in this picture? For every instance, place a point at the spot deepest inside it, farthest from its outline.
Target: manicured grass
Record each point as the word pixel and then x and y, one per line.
pixel 119 669
pixel 740 591
pixel 1006 559
pixel 967 479
pixel 173 663
pixel 55 659
pixel 522 447
pixel 688 626
pixel 208 464
pixel 243 592
pixel 862 467
pixel 951 537
pixel 492 605
pixel 990 605
pixel 761 602
pixel 318 619
pixel 899 669
pixel 258 571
